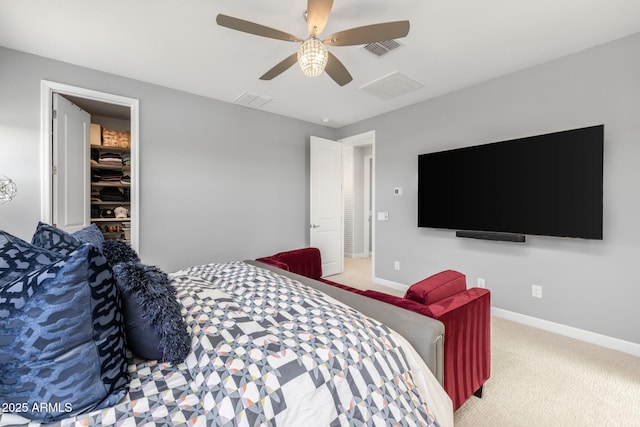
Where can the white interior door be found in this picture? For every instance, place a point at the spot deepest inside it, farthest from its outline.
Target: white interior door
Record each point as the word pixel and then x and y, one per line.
pixel 70 180
pixel 326 229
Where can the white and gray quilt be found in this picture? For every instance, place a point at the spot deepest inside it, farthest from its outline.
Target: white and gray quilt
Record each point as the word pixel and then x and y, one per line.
pixel 270 351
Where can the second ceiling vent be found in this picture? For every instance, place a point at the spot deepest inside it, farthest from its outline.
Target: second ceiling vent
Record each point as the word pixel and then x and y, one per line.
pixel 382 48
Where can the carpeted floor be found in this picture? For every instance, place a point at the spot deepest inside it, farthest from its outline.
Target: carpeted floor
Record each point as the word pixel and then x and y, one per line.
pixel 357 273
pixel 539 378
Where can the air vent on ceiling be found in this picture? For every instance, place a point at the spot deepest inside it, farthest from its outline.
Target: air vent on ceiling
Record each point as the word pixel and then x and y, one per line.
pixel 382 48
pixel 391 85
pixel 252 99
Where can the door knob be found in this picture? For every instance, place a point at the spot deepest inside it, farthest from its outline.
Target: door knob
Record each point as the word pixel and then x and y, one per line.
pixel 314 226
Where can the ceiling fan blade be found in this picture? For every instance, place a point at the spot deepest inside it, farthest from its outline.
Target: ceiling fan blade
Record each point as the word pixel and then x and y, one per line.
pixel 318 12
pixel 337 71
pixel 253 28
pixel 280 67
pixel 369 34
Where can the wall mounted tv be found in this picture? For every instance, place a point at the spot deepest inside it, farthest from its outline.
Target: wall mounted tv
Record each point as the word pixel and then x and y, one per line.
pixel 548 185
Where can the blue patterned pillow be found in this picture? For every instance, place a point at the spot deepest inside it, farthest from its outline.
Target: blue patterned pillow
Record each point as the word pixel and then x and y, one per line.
pixel 62 339
pixel 90 234
pixel 18 257
pixel 57 240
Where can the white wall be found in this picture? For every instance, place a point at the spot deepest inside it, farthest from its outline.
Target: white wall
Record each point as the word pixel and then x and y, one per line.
pixel 348 201
pixel 358 205
pixel 353 199
pixel 591 285
pixel 218 182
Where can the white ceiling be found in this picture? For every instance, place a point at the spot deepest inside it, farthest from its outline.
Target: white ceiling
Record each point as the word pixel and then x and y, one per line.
pixel 451 44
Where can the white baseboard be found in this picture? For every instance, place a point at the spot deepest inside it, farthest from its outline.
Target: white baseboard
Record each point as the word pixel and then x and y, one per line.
pixel 569 331
pixel 360 255
pixel 389 284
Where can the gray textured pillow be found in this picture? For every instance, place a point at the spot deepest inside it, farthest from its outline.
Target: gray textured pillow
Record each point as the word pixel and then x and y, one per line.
pixel 153 319
pixel 118 251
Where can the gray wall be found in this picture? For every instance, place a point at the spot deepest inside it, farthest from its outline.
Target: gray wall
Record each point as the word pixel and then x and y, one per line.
pixel 591 285
pixel 218 182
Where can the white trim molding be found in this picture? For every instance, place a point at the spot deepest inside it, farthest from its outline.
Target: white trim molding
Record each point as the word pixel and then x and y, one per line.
pixel 389 284
pixel 569 331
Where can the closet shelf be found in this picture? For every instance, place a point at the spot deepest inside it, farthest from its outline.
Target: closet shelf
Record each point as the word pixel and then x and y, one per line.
pixel 110 167
pixel 110 203
pixel 110 184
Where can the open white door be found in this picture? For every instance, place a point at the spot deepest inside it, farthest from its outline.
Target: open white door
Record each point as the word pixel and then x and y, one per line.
pixel 70 181
pixel 326 203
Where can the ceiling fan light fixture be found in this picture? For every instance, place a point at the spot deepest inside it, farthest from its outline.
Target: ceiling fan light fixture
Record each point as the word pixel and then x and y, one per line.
pixel 312 57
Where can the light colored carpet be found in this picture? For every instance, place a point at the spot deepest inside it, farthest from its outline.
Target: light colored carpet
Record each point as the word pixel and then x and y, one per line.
pixel 539 378
pixel 357 273
pixel 543 379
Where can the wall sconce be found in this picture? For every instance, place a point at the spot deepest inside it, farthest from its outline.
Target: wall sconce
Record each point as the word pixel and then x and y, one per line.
pixel 8 189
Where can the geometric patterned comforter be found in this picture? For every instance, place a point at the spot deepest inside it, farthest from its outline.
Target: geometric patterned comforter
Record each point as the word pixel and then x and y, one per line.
pixel 270 351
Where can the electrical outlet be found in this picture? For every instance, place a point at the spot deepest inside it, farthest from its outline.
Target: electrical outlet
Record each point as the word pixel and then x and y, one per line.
pixel 396 265
pixel 536 291
pixel 481 283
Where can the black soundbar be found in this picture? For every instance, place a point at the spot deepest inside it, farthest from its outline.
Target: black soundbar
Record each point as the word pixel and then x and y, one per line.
pixel 491 235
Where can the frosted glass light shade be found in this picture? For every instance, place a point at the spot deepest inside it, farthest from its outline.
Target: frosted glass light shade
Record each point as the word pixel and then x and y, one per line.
pixel 312 57
pixel 8 189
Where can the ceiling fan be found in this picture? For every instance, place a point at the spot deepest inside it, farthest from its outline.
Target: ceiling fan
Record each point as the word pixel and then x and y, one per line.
pixel 313 55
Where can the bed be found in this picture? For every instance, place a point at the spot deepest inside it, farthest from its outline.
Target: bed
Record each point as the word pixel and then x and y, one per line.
pixel 267 349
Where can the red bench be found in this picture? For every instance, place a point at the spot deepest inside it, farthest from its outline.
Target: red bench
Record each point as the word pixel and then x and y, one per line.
pixel 465 313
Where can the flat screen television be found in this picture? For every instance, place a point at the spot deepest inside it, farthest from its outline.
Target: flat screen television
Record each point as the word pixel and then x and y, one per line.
pixel 548 185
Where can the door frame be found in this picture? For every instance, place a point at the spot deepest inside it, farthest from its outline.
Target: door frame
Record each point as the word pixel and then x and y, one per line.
pixel 47 89
pixel 362 139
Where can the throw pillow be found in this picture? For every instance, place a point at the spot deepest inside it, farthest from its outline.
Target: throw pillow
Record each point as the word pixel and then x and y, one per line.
pixel 18 257
pixel 153 319
pixel 118 251
pixel 62 338
pixel 90 234
pixel 437 287
pixel 57 240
